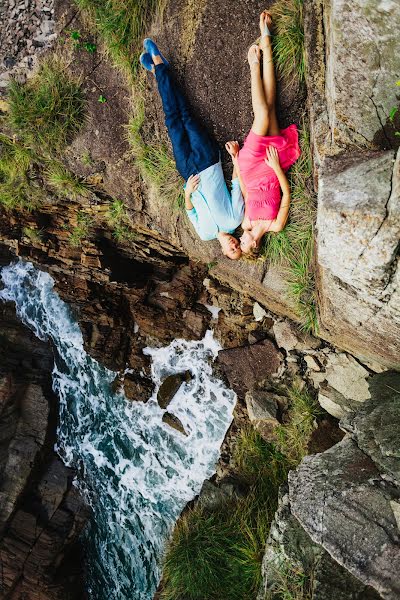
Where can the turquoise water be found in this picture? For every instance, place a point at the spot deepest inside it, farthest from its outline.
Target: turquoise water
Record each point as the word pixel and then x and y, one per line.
pixel 136 472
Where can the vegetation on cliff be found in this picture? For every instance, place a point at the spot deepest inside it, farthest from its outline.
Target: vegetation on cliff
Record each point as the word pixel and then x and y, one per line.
pixel 216 550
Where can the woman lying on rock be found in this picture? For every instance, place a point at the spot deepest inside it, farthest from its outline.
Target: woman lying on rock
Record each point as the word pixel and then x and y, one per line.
pixel 267 151
pixel 213 211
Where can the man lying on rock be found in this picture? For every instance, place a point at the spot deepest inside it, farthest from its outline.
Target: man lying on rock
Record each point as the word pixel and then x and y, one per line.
pixel 213 211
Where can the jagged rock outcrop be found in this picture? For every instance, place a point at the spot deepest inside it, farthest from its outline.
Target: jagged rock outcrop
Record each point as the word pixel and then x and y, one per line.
pixel 41 512
pixel 352 73
pixel 347 501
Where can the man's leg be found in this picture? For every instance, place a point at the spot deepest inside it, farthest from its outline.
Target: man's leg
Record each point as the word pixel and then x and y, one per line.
pixel 173 121
pixel 203 145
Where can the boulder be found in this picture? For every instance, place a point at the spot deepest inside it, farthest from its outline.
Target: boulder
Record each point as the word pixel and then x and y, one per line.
pixel 345 504
pixel 290 338
pixel 263 409
pixel 376 424
pixel 137 387
pixel 293 561
pixel 173 421
pixel 248 366
pixel 351 71
pixel 342 385
pixel 170 386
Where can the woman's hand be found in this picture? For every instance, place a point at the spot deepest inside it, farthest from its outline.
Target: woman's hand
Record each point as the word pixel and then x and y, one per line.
pixel 192 184
pixel 272 158
pixel 233 149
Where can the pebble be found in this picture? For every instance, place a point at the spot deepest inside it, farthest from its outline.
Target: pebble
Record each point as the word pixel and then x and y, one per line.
pixel 27 29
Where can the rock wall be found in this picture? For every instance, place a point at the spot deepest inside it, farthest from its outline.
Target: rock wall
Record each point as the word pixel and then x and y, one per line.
pixel 352 72
pixel 41 512
pixel 343 505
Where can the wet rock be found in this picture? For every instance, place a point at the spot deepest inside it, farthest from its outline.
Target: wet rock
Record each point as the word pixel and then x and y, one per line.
pixel 290 338
pixel 248 366
pixel 264 409
pixel 337 497
pixel 173 421
pixel 137 387
pixel 170 386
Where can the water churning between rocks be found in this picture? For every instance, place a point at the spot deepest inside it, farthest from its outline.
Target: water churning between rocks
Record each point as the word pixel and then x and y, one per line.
pixel 135 471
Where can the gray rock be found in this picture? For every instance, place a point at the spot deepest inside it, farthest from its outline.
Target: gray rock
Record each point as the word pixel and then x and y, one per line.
pixel 344 504
pixel 290 338
pixel 291 556
pixel 376 425
pixel 263 409
pixel 170 387
pixel 342 385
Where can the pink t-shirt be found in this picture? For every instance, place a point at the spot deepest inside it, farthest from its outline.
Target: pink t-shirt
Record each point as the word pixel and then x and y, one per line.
pixel 262 185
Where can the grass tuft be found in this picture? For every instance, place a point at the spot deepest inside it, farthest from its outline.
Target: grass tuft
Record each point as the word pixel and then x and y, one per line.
pixel 290 582
pixel 155 162
pixel 64 183
pixel 288 39
pixel 118 220
pixel 48 110
pixel 81 230
pixel 293 248
pixel 33 234
pixel 122 26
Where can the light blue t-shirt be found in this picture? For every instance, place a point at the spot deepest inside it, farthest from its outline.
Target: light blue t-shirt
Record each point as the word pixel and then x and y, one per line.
pixel 215 209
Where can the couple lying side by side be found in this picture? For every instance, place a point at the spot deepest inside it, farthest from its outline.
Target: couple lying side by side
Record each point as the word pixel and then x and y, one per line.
pixel 260 196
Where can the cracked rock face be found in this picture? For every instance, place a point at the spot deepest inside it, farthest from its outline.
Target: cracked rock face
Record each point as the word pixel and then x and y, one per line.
pixel 358 232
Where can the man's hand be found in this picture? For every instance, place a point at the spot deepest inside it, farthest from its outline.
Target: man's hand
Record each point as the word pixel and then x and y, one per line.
pixel 272 158
pixel 192 184
pixel 233 149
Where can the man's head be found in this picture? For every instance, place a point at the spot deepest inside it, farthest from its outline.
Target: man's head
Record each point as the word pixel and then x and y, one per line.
pixel 230 246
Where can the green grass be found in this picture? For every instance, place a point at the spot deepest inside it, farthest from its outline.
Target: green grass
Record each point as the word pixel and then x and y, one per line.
pixel 155 162
pixel 81 230
pixel 34 235
pixel 217 553
pixel 122 25
pixel 64 183
pixel 293 438
pixel 119 222
pixel 293 248
pixel 20 187
pixel 288 39
pixel 48 110
pixel 290 582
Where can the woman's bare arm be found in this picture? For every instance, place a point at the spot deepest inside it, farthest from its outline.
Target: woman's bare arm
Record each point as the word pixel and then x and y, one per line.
pixel 273 161
pixel 233 149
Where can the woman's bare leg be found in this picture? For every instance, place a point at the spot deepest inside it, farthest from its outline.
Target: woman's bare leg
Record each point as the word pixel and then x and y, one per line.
pixel 260 107
pixel 269 79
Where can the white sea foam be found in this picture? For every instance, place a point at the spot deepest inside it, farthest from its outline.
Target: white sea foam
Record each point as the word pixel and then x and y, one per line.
pixel 136 472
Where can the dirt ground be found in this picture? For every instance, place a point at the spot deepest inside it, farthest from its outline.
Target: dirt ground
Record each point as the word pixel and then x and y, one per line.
pixel 215 76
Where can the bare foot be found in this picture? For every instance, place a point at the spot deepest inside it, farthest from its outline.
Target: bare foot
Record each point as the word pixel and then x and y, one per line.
pixel 265 23
pixel 253 55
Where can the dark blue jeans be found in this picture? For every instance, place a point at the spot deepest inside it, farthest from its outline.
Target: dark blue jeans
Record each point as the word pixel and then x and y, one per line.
pixel 194 149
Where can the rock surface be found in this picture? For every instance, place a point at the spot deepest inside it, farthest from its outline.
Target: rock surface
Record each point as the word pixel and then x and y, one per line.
pixel 41 512
pixel 170 387
pixel 248 366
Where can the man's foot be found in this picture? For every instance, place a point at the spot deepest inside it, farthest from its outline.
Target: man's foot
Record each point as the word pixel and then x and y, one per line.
pixel 151 47
pixel 146 61
pixel 253 55
pixel 265 28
